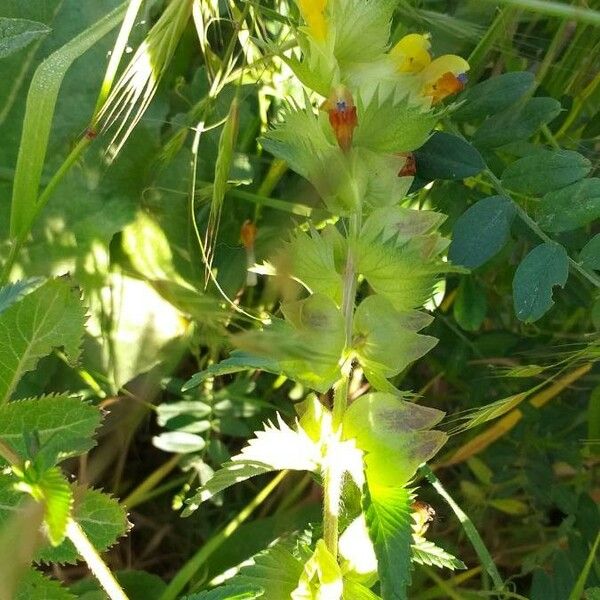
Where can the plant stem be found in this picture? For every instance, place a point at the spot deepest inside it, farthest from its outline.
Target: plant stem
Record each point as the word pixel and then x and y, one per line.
pixel 185 574
pixel 555 9
pixel 468 526
pixel 95 563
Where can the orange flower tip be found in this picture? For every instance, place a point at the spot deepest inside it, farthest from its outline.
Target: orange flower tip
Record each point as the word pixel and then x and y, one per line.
pixel 447 85
pixel 248 234
pixel 409 168
pixel 343 117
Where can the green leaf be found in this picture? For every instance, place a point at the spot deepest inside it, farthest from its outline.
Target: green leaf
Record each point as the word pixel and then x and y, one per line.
pixel 238 362
pixel 321 577
pixel 446 156
pixel 63 425
pixel 35 586
pixel 228 592
pixel 545 171
pixel 102 519
pixel 571 207
pixel 394 434
pixel 389 520
pixel 589 257
pixel 427 553
pixel 58 501
pixel 593 419
pixel 12 293
pixel 274 449
pixel 391 126
pixel 544 267
pixel 50 317
pixel 353 590
pixel 386 341
pixel 137 585
pixel 181 442
pixel 470 305
pixel 516 123
pixel 493 95
pixel 16 34
pixel 41 101
pixel 312 262
pixel 481 231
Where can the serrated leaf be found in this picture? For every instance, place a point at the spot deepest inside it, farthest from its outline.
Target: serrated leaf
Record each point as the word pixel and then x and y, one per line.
pixel 312 262
pixel 228 592
pixel 493 95
pixel 137 585
pixel 589 257
pixel 516 123
pixel 390 126
pixel 544 267
pixel 64 426
pixel 427 553
pixel 102 519
pixel 16 34
pixel 481 231
pixel 58 501
pixel 545 171
pixel 274 449
pixel 389 520
pixel 13 292
pixel 571 207
pixel 386 340
pixel 52 316
pixel 394 434
pixel 446 156
pixel 35 586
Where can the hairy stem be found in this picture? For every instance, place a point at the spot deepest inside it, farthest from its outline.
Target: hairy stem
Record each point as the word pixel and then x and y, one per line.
pixel 95 563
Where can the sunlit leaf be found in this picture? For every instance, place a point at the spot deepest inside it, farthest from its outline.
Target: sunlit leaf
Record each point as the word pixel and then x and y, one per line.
pixel 321 577
pixel 425 552
pixel 16 34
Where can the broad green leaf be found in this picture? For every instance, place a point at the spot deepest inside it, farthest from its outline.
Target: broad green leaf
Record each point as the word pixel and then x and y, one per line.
pixel 481 231
pixel 545 171
pixel 276 448
pixel 237 363
pixel 389 520
pixel 228 592
pixel 41 102
pixel 35 586
pixel 516 123
pixel 312 262
pixel 63 425
pixel 16 34
pixel 13 292
pixel 427 553
pixel 386 340
pixel 387 125
pixel 470 305
pixel 394 434
pixel 102 519
pixel 181 442
pixel 589 257
pixel 571 207
pixel 446 156
pixel 321 577
pixel 276 570
pixel 493 95
pixel 52 316
pixel 544 267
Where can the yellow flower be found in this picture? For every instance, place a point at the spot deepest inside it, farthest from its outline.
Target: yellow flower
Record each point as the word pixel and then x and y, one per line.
pixel 411 53
pixel 313 13
pixel 445 76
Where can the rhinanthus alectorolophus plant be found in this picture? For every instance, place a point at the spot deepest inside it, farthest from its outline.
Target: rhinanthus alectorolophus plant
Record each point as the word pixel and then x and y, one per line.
pixel 363 282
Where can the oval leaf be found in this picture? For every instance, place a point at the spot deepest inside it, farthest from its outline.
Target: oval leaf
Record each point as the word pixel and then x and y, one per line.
pixel 546 171
pixel 544 267
pixel 481 232
pixel 446 156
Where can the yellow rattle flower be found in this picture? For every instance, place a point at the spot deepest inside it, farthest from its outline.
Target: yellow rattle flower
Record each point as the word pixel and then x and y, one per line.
pixel 411 53
pixel 444 77
pixel 313 13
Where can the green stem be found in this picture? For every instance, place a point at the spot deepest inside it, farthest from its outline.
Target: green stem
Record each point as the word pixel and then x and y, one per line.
pixel 468 526
pixel 191 567
pixel 555 9
pixel 95 563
